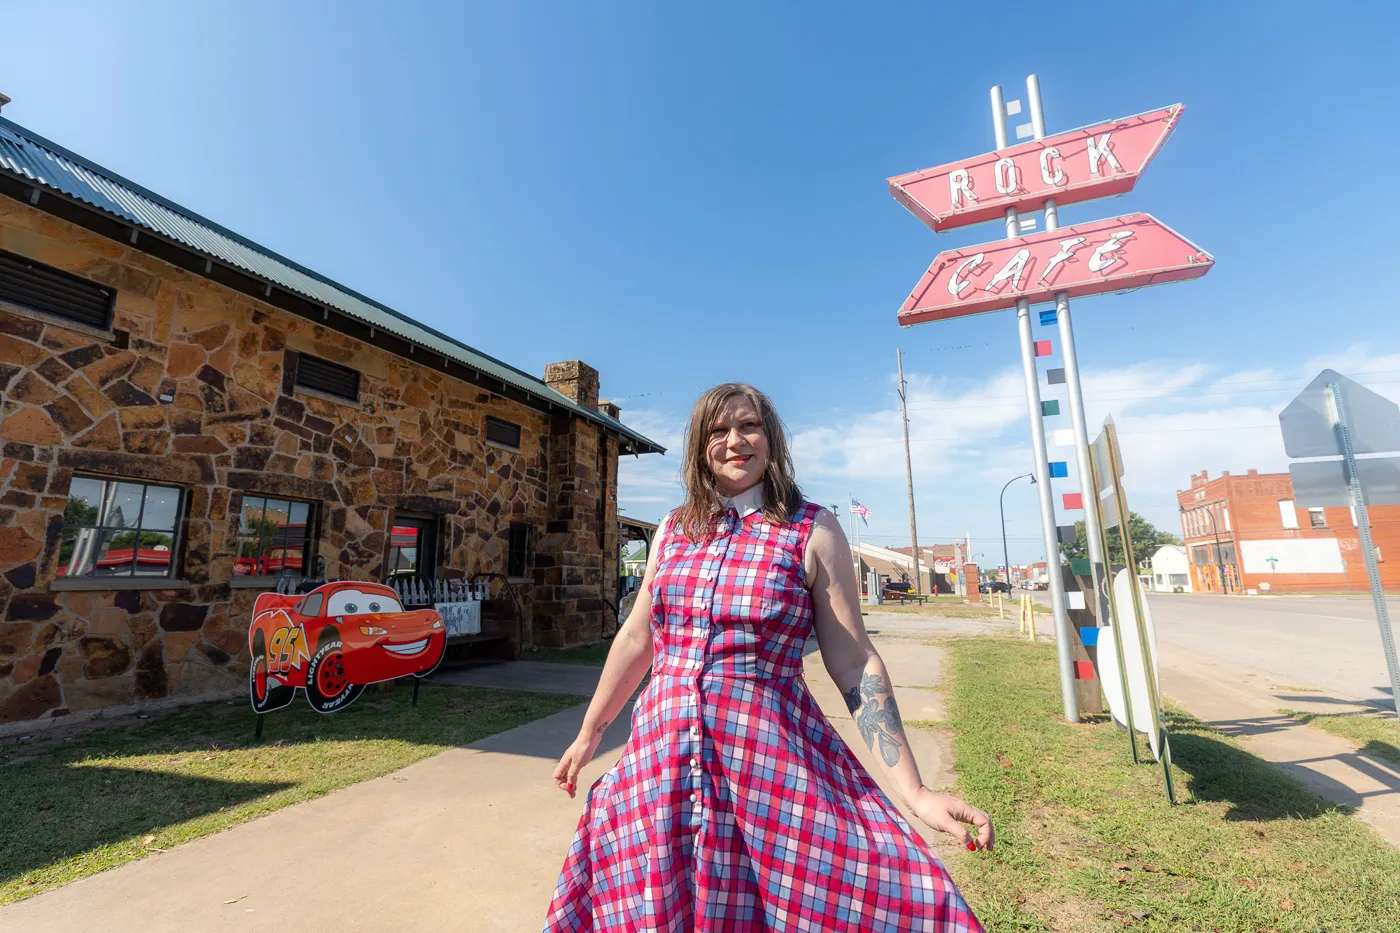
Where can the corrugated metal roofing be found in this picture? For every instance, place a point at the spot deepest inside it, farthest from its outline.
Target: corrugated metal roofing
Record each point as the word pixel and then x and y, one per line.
pixel 42 162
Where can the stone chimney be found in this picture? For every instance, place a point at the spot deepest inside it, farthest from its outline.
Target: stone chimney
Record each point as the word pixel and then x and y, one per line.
pixel 610 409
pixel 574 378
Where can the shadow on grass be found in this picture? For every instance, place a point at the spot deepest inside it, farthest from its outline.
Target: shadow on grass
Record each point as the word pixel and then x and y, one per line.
pixel 1255 790
pixel 1378 749
pixel 69 808
pixel 94 794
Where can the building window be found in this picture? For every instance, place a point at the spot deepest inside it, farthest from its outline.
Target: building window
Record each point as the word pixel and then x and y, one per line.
pixel 272 537
pixel 1318 518
pixel 518 556
pixel 1226 510
pixel 119 528
pixel 42 288
pixel 324 376
pixel 413 547
pixel 1178 579
pixel 1288 513
pixel 502 433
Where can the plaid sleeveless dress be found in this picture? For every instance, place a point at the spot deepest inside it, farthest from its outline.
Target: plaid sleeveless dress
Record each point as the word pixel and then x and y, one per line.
pixel 736 807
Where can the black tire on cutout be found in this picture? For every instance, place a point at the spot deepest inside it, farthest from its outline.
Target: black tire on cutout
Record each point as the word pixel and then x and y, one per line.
pixel 273 696
pixel 327 690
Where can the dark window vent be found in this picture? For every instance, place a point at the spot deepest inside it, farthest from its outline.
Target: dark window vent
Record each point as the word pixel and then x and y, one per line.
pixel 52 291
pixel 330 378
pixel 503 433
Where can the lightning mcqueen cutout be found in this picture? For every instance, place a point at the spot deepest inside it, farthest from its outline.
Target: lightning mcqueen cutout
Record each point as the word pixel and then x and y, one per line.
pixel 333 641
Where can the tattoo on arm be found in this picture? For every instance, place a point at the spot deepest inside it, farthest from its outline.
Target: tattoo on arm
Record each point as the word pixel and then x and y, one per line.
pixel 602 726
pixel 877 721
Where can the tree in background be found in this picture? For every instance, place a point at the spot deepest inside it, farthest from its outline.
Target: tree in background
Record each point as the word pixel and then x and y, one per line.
pixel 993 575
pixel 1146 541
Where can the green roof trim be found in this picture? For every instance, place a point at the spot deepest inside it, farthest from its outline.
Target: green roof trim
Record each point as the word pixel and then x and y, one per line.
pixel 42 164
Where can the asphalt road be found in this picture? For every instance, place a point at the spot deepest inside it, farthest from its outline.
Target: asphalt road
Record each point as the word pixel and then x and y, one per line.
pixel 1329 644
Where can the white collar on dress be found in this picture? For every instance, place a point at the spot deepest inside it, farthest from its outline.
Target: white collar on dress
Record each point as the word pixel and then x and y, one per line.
pixel 747 502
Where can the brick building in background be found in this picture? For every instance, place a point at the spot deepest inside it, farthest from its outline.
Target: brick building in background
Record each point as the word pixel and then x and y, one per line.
pixel 186 416
pixel 1246 533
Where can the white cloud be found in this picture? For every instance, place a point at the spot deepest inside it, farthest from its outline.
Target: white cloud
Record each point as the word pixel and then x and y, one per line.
pixel 968 437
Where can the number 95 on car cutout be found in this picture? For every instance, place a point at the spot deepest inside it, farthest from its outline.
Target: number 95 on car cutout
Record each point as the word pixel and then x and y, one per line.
pixel 333 641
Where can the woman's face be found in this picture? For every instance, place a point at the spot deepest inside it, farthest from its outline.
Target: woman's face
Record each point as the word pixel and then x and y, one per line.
pixel 737 448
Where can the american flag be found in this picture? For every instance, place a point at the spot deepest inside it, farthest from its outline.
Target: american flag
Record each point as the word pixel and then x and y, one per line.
pixel 862 511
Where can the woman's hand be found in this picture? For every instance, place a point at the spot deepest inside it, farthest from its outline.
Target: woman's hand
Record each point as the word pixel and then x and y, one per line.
pixel 575 757
pixel 948 814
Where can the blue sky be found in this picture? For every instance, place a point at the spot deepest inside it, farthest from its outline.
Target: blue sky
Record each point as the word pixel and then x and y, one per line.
pixel 687 195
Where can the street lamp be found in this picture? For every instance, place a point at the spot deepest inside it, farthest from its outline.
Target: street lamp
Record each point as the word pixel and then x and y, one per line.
pixel 1004 553
pixel 1215 532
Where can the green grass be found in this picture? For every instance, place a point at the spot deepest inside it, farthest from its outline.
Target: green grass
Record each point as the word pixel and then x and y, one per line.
pixel 588 655
pixel 1087 842
pixel 76 803
pixel 1376 732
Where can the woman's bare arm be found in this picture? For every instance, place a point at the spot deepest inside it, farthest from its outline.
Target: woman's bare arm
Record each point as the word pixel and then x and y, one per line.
pixel 860 675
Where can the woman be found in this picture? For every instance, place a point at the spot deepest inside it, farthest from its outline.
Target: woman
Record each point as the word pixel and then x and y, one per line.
pixel 735 806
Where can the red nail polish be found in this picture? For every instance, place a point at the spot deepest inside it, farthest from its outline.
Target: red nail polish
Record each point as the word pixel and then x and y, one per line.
pixel 569 786
pixel 972 847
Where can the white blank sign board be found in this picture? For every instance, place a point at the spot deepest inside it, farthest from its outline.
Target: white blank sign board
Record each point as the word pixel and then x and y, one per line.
pixel 1294 555
pixel 1132 660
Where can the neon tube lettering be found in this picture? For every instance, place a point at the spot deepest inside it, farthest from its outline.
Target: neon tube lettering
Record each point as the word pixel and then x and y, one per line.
pixel 955 284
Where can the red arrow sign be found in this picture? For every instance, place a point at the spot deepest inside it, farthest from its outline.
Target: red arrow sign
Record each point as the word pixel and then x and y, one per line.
pixel 1093 162
pixel 1087 259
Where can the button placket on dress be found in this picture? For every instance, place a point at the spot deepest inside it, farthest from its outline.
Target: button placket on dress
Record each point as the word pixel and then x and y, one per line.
pixel 710 567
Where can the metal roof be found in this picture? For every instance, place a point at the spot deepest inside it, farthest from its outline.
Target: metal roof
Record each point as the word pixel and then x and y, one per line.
pixel 41 162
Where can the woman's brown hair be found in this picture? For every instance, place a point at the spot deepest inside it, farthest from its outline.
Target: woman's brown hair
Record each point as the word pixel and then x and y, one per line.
pixel 703 502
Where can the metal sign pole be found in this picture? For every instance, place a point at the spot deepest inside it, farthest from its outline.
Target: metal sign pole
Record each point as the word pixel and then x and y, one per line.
pixel 1064 653
pixel 1368 548
pixel 1098 563
pixel 1116 620
pixel 1149 674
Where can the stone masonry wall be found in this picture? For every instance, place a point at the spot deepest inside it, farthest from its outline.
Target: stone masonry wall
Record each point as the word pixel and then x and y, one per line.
pixel 77 400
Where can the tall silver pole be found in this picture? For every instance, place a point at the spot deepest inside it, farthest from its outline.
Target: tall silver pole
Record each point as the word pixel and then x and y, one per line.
pixel 1063 632
pixel 1098 563
pixel 908 470
pixel 1368 547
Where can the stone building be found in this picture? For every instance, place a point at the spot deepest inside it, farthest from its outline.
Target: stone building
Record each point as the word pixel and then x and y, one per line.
pixel 186 416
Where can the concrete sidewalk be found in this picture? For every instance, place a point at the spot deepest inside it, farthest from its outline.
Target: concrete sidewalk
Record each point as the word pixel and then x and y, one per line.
pixel 472 839
pixel 1247 709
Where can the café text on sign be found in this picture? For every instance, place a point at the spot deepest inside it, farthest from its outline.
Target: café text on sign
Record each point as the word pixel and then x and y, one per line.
pixel 1092 162
pixel 1125 252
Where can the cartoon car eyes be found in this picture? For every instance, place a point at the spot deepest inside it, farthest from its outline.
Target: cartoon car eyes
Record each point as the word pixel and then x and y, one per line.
pixel 354 602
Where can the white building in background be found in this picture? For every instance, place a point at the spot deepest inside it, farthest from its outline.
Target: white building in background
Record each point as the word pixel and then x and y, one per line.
pixel 1171 572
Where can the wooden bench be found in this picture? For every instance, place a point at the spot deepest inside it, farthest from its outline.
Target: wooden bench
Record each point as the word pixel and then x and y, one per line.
pixel 903 596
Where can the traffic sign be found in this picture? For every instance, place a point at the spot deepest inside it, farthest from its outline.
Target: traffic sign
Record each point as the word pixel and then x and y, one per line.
pixel 1125 252
pixel 1091 162
pixel 1319 483
pixel 1335 417
pixel 1310 425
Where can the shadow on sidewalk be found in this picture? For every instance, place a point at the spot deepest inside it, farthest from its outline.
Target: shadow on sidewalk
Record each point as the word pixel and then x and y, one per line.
pixel 1256 790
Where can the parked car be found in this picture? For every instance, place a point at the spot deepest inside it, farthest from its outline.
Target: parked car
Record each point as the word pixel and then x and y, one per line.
pixel 997 586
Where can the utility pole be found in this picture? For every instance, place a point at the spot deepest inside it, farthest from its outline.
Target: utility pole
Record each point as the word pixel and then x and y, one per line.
pixel 908 470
